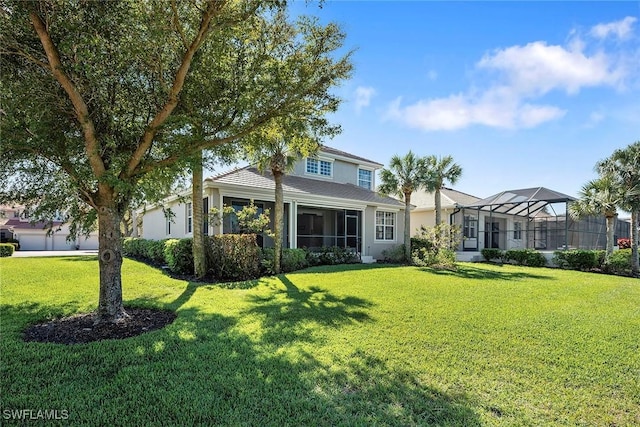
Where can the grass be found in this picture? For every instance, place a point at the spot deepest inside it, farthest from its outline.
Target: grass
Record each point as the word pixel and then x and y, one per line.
pixel 352 345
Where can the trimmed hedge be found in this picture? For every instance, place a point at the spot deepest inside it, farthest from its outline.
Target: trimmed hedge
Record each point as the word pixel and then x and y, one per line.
pixel 332 255
pixel 178 255
pixel 491 254
pixel 292 260
pixel 6 249
pixel 529 257
pixel 578 259
pixel 233 256
pixel 620 262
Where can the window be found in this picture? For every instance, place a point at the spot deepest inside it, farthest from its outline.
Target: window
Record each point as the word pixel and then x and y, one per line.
pixel 189 216
pixel 470 227
pixel 365 178
pixel 517 231
pixel 385 225
pixel 319 167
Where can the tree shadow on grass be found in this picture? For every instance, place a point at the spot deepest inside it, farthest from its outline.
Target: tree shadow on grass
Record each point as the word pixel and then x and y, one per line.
pixel 214 369
pixel 294 314
pixel 475 273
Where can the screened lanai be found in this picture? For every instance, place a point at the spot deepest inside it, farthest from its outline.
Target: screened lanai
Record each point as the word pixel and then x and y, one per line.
pixel 534 218
pixel 525 218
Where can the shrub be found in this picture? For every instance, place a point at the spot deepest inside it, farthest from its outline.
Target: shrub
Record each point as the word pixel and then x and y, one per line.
pixel 15 242
pixel 491 254
pixel 529 257
pixel 332 255
pixel 435 246
pixel 624 243
pixel 292 260
pixel 233 256
pixel 578 259
pixel 151 251
pixel 6 249
pixel 179 256
pixel 620 262
pixel 394 255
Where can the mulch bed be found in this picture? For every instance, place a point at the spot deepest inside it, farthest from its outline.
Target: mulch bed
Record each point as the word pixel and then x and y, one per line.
pixel 80 328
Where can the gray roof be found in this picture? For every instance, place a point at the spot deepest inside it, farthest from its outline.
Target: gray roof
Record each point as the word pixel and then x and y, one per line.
pixel 520 202
pixel 251 178
pixel 330 150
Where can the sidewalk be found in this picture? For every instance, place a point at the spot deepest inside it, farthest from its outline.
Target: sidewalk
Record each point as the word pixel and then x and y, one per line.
pixel 26 254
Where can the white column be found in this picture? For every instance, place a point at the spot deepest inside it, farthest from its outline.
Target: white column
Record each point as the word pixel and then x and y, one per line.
pixel 293 226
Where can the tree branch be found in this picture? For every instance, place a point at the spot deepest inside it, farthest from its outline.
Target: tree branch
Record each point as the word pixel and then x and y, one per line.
pixel 80 107
pixel 178 83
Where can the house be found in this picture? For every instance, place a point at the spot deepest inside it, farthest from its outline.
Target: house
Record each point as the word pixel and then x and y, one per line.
pixel 532 218
pixel 330 200
pixel 425 208
pixel 39 235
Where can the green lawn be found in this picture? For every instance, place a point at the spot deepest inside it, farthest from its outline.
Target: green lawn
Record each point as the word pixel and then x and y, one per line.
pixel 357 345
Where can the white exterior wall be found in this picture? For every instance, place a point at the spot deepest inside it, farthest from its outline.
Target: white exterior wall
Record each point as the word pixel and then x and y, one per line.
pixel 38 240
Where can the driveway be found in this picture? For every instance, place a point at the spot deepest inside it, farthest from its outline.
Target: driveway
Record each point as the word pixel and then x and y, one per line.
pixel 25 254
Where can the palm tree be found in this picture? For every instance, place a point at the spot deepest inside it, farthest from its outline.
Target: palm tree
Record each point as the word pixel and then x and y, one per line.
pixel 441 170
pixel 624 167
pixel 278 154
pixel 601 196
pixel 404 176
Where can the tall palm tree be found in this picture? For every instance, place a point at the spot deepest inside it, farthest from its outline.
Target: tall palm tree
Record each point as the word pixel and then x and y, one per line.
pixel 600 196
pixel 624 167
pixel 278 154
pixel 404 176
pixel 441 170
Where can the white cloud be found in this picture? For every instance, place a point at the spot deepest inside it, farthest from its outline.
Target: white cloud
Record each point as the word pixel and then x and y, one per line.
pixel 537 68
pixel 521 75
pixel 363 97
pixel 461 111
pixel 621 29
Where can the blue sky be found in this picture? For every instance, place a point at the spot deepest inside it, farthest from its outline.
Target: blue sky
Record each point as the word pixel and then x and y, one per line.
pixel 520 94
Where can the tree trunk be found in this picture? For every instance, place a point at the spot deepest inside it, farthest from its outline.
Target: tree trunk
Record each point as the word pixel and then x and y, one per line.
pixel 134 223
pixel 199 259
pixel 110 307
pixel 438 203
pixel 635 267
pixel 610 234
pixel 279 220
pixel 407 227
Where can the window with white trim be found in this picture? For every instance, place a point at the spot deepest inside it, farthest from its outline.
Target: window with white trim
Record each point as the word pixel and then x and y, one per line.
pixel 365 178
pixel 517 231
pixel 189 216
pixel 470 227
pixel 319 167
pixel 385 225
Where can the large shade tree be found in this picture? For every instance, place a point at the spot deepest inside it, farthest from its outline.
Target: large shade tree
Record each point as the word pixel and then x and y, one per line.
pixel 441 170
pixel 404 175
pixel 92 97
pixel 600 196
pixel 623 166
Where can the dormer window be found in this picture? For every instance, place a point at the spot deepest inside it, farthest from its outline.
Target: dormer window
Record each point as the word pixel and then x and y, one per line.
pixel 365 178
pixel 319 167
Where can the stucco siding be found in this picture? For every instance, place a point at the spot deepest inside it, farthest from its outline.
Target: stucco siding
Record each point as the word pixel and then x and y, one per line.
pixel 372 246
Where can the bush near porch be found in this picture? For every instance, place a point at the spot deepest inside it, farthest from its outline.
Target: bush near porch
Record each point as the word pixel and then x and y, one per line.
pixel 230 256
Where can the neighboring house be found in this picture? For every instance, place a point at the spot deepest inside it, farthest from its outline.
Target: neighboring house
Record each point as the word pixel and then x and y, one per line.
pixel 425 208
pixel 330 200
pixel 516 219
pixel 40 236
